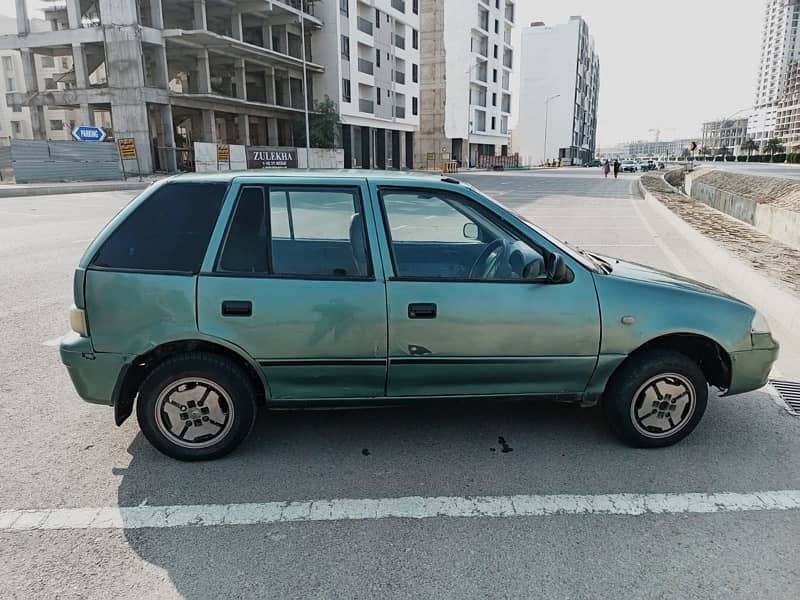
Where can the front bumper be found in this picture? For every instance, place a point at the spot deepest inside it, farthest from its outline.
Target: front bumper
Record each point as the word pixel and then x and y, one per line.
pixel 750 369
pixel 94 375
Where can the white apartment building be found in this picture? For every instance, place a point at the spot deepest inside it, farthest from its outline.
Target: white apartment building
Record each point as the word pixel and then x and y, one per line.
pixel 371 53
pixel 468 62
pixel 559 82
pixel 776 109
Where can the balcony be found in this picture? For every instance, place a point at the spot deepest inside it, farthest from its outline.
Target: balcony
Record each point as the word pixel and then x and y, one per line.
pixel 399 5
pixel 400 112
pixel 365 66
pixel 364 25
pixel 399 41
pixel 366 106
pixel 400 77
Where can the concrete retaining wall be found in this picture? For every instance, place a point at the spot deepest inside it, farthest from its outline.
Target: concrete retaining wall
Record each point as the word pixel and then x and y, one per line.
pixel 770 204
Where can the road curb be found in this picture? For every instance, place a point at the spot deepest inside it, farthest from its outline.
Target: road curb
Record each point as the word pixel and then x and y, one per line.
pixel 76 188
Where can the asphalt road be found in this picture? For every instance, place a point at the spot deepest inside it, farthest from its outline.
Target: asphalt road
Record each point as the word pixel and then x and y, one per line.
pixel 60 453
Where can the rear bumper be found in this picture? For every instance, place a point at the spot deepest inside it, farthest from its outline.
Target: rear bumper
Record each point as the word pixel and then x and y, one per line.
pixel 94 375
pixel 750 369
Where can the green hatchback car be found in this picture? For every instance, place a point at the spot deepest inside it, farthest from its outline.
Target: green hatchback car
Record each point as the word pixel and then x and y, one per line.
pixel 211 296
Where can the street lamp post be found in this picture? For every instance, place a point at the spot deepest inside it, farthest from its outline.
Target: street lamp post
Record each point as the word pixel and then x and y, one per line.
pixel 305 90
pixel 546 116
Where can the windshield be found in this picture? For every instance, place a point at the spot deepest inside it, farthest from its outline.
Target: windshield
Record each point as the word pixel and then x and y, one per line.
pixel 586 259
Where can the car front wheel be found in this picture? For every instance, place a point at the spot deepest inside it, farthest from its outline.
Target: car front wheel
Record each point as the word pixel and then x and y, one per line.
pixel 656 399
pixel 196 406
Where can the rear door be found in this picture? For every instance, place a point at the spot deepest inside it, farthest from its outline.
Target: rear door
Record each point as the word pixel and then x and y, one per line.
pixel 295 282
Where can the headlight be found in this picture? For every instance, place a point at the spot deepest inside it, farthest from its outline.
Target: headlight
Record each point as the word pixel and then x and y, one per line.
pixel 759 324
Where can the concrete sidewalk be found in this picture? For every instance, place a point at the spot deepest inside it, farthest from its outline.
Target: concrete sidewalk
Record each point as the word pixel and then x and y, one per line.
pixel 13 190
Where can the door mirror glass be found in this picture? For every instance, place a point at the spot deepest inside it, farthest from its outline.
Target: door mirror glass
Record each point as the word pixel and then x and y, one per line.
pixel 534 269
pixel 557 269
pixel 470 231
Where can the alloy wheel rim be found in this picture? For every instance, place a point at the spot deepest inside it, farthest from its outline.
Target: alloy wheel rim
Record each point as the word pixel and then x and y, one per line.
pixel 663 405
pixel 194 412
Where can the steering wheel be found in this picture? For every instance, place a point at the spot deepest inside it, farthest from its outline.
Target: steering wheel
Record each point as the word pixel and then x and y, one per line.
pixel 490 259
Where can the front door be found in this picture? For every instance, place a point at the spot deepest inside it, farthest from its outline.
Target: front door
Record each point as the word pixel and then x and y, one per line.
pixel 466 317
pixel 294 284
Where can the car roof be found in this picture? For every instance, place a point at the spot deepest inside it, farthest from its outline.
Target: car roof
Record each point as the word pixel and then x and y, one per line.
pixel 321 173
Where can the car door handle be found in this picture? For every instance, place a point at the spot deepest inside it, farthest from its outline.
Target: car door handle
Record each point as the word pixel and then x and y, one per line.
pixel 422 310
pixel 237 308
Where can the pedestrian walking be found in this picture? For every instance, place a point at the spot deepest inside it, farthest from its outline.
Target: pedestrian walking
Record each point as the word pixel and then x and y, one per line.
pixel 606 168
pixel 616 168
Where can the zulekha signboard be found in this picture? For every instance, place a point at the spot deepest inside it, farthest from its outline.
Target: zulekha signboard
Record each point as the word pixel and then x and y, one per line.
pixel 262 157
pixel 88 133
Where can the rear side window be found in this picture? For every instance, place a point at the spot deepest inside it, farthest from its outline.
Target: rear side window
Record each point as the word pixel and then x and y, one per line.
pixel 168 232
pixel 297 232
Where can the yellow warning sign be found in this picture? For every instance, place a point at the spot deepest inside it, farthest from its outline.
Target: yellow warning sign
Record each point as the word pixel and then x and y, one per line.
pixel 223 152
pixel 127 149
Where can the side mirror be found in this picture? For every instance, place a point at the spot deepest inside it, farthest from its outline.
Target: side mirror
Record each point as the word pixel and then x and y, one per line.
pixel 556 269
pixel 470 231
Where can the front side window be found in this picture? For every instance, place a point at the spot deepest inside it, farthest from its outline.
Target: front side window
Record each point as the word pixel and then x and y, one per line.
pixel 297 232
pixel 168 232
pixel 436 234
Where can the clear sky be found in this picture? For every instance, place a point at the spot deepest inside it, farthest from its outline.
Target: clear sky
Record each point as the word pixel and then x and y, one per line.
pixel 666 65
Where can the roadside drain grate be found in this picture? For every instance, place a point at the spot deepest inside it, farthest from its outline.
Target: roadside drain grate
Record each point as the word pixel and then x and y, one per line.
pixel 789 391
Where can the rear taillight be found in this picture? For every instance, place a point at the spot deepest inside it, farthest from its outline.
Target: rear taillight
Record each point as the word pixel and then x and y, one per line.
pixel 77 320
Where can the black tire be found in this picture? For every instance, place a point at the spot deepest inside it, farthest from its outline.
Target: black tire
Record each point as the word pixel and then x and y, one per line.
pixel 218 381
pixel 663 372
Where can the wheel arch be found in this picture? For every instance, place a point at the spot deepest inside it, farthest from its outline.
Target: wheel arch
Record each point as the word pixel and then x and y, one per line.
pixel 714 361
pixel 136 371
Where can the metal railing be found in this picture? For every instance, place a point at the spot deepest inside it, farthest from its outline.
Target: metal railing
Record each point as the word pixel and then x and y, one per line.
pixel 400 41
pixel 367 106
pixel 400 112
pixel 365 66
pixel 400 77
pixel 399 5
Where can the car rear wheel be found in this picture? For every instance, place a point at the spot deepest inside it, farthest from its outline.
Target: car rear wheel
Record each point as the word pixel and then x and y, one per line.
pixel 196 406
pixel 656 399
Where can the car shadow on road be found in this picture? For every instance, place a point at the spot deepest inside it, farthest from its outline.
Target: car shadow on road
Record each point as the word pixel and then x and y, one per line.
pixel 450 449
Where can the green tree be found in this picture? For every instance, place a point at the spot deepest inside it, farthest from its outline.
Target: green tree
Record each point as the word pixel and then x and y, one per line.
pixel 323 125
pixel 772 147
pixel 749 146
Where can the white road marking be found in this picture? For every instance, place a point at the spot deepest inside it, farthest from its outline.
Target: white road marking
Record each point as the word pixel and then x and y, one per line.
pixel 410 507
pixel 398 227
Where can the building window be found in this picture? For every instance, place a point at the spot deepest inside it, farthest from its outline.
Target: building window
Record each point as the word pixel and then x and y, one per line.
pixel 48 62
pixel 415 7
pixel 494 99
pixel 494 123
pixel 414 107
pixel 346 90
pixel 344 8
pixel 415 73
pixel 496 26
pixel 56 125
pixel 415 39
pixel 345 47
pixel 377 58
pixel 16 127
pixel 377 18
pixel 50 84
pixel 496 49
pixel 494 75
pixel 16 108
pixel 378 96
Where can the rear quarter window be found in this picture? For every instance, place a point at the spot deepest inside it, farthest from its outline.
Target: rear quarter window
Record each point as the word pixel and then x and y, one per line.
pixel 168 232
